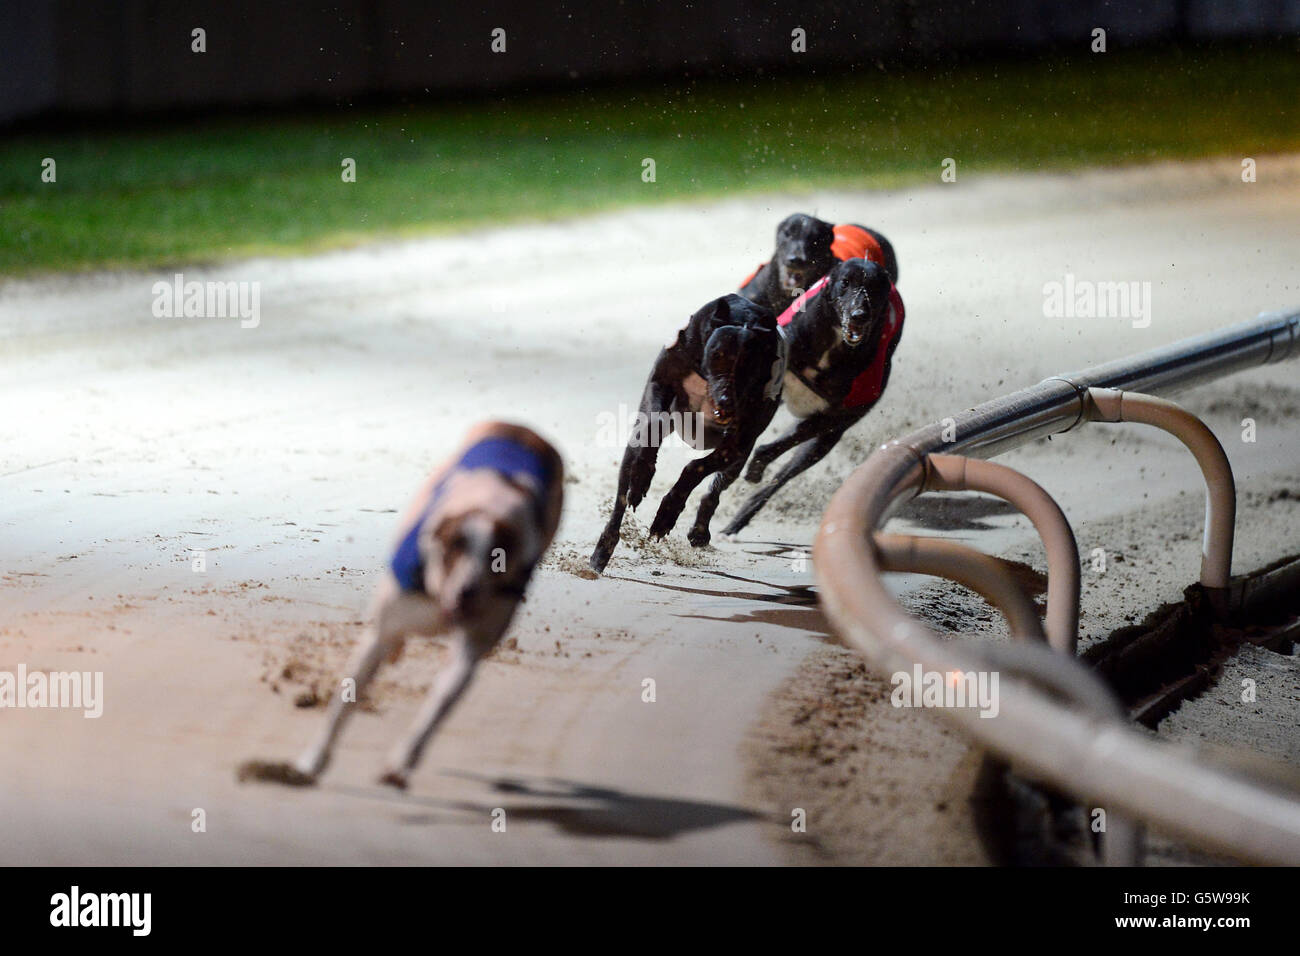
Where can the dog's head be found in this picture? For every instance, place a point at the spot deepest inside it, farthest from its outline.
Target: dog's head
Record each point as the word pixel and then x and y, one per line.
pixel 858 296
pixel 484 545
pixel 803 252
pixel 739 357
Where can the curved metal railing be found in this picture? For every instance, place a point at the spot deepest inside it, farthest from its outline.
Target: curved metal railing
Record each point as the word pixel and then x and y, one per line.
pixel 1052 723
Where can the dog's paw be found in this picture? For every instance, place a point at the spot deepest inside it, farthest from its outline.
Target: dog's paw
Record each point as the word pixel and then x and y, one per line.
pixel 698 537
pixel 268 772
pixel 394 778
pixel 665 519
pixel 604 549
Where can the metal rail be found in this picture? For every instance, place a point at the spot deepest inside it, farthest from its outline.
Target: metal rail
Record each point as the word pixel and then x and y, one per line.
pixel 982 573
pixel 1110 405
pixel 957 473
pixel 1077 748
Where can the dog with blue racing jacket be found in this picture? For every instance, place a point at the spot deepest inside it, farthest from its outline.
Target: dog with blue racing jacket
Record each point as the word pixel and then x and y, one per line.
pixel 467 548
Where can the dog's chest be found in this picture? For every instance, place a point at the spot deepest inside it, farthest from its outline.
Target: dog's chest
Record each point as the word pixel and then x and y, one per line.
pixel 697 394
pixel 800 400
pixel 695 430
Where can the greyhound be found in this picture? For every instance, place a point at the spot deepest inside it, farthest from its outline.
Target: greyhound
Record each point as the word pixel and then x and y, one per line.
pixel 842 334
pixel 467 549
pixel 718 383
pixel 806 249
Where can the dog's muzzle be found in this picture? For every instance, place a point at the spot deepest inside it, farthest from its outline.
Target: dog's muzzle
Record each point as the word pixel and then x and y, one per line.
pixel 854 328
pixel 722 410
pixel 792 275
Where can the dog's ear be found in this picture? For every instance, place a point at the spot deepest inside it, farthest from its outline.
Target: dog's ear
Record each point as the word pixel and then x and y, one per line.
pixel 702 323
pixel 761 317
pixel 729 310
pixel 716 315
pixel 750 315
pixel 760 361
pixel 722 312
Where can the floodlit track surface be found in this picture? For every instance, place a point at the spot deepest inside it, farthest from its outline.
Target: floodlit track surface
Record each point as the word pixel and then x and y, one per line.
pixel 282 451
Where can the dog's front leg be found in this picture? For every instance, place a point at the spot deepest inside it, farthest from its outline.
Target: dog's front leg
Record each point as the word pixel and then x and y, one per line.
pixel 448 685
pixel 699 534
pixel 670 509
pixel 395 615
pixel 654 424
pixel 468 647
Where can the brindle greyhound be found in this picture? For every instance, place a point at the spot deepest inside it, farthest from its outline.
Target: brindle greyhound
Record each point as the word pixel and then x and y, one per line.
pixel 806 249
pixel 718 383
pixel 466 551
pixel 842 334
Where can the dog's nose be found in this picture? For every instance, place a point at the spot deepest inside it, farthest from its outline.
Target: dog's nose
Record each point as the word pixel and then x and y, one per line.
pixel 795 260
pixel 857 315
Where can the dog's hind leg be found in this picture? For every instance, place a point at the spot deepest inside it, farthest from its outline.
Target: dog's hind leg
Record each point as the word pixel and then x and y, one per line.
pixel 396 614
pixel 699 534
pixel 654 424
pixel 808 455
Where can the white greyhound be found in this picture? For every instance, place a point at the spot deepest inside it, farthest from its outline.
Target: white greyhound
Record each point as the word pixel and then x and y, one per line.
pixel 467 549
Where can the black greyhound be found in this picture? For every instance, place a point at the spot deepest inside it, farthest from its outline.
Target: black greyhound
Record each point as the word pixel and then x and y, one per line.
pixel 719 384
pixel 841 335
pixel 806 249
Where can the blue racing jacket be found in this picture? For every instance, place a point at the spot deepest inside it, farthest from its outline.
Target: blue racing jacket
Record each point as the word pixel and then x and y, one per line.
pixel 509 459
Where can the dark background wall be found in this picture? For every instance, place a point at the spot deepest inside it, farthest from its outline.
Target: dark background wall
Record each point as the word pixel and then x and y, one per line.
pixel 131 56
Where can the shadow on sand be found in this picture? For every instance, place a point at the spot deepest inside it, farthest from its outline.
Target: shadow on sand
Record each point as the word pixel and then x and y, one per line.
pixel 584 810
